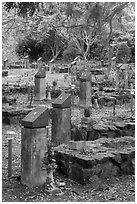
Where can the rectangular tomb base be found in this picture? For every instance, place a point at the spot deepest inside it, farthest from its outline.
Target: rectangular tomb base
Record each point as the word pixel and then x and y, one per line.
pixel 104 157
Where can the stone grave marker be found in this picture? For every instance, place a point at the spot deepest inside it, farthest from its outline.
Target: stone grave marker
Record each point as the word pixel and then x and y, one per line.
pixel 61 119
pixel 85 89
pixel 40 85
pixel 33 147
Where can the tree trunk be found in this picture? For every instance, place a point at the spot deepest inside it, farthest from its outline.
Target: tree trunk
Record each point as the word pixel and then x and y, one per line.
pixel 109 60
pixel 109 50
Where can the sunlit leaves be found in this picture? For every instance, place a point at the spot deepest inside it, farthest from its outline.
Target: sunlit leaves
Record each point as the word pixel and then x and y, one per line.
pixel 23 9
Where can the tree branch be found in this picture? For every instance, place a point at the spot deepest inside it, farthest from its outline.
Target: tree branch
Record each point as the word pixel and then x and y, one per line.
pixel 115 11
pixel 10 27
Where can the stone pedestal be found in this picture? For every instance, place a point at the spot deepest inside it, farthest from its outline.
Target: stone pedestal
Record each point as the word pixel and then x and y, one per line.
pixel 61 125
pixel 33 148
pixel 40 85
pixel 85 89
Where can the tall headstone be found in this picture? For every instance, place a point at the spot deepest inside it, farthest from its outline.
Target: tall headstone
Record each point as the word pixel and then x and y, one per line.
pixel 33 147
pixel 61 119
pixel 40 85
pixel 85 89
pixel 27 65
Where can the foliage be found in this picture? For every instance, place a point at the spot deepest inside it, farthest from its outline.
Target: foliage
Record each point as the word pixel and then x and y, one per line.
pixel 31 47
pixel 54 43
pixel 123 53
pixel 23 9
pixel 71 51
pixel 49 47
pixel 89 25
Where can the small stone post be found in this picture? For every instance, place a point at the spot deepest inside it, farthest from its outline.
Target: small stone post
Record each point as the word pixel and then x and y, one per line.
pixel 33 147
pixel 10 135
pixel 61 119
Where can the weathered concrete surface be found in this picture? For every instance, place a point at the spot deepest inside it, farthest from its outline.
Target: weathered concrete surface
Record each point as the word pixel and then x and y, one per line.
pixel 33 148
pixel 104 157
pixel 40 88
pixel 61 125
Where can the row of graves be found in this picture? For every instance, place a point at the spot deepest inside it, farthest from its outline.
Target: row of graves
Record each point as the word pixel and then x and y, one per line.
pixel 25 64
pixel 50 143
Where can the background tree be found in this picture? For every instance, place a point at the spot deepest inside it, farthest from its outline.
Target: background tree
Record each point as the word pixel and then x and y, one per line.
pixel 31 47
pixel 86 24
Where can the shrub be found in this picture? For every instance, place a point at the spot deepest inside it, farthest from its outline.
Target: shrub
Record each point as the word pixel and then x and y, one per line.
pixel 123 53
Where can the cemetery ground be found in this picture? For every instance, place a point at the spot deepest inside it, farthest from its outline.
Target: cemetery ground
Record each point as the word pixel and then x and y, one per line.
pixel 114 189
